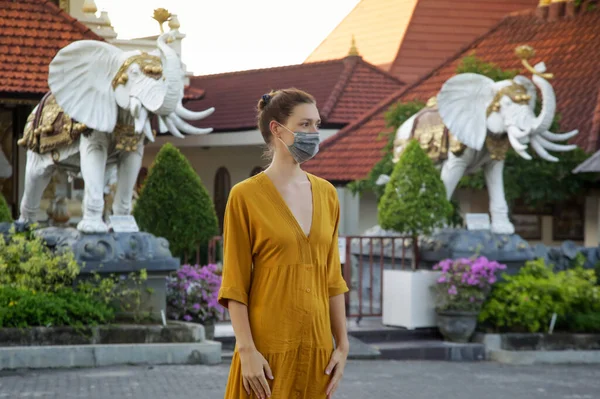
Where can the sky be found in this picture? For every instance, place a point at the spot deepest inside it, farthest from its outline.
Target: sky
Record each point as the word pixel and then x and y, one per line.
pixel 233 35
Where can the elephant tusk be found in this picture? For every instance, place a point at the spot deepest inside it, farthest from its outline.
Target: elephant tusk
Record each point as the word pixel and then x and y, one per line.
pixel 173 129
pixel 553 146
pixel 516 132
pixel 162 126
pixel 559 136
pixel 524 155
pixel 140 120
pixel 148 131
pixel 191 115
pixel 135 107
pixel 514 142
pixel 542 152
pixel 186 127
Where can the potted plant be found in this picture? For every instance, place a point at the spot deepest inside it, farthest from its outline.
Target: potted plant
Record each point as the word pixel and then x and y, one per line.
pixel 414 203
pixel 192 295
pixel 460 291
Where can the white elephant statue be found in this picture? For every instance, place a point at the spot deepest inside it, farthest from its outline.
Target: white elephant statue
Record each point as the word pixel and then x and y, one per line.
pixel 98 113
pixel 472 123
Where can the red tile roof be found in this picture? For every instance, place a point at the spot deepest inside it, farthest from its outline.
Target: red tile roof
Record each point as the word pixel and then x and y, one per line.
pixel 193 93
pixel 569 47
pixel 344 89
pixel 31 32
pixel 439 28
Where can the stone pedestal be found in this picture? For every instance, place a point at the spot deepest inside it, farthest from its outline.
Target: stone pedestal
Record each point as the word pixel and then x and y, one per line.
pixel 119 254
pixel 511 250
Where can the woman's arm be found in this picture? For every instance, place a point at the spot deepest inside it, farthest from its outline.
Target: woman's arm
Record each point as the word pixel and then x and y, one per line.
pixel 254 365
pixel 337 287
pixel 235 291
pixel 337 315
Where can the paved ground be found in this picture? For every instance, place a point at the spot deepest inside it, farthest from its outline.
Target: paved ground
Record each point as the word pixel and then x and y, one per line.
pixel 363 379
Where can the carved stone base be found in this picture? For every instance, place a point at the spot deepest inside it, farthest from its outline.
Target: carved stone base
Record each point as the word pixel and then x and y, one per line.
pixel 112 252
pixel 511 250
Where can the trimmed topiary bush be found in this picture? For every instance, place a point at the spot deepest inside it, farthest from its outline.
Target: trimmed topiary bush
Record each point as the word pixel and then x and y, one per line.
pixel 414 201
pixel 5 215
pixel 174 204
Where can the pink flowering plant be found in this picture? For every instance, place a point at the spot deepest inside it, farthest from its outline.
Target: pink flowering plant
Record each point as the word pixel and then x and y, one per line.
pixel 192 294
pixel 465 283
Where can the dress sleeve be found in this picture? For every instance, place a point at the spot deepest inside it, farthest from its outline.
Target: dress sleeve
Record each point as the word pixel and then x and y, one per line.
pixel 237 252
pixel 336 283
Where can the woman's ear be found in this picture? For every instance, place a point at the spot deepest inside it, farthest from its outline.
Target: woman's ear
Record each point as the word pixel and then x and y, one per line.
pixel 274 127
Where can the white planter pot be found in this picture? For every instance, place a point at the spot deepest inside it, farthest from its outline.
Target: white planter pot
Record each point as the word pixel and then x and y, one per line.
pixel 408 300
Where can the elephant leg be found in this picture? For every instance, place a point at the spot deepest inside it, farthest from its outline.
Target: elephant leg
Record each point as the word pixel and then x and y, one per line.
pixel 454 169
pixel 129 167
pixel 494 180
pixel 37 176
pixel 93 152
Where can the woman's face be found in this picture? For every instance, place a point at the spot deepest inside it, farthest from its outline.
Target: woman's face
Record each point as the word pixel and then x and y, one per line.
pixel 304 118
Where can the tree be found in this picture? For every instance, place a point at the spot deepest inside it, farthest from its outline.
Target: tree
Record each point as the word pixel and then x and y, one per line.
pixel 174 204
pixel 5 215
pixel 414 201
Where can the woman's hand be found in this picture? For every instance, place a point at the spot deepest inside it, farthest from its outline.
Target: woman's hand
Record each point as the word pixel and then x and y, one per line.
pixel 255 370
pixel 336 365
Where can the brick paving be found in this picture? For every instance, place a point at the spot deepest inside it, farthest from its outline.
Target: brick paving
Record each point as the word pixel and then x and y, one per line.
pixel 363 379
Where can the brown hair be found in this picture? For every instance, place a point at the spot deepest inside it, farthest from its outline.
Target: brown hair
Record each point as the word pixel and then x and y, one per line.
pixel 278 105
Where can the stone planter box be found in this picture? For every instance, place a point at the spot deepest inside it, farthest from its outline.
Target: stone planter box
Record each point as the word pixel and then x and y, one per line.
pixel 173 332
pixel 536 348
pixel 408 300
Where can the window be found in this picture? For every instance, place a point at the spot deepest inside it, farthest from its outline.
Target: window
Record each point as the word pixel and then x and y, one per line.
pixel 221 193
pixel 569 221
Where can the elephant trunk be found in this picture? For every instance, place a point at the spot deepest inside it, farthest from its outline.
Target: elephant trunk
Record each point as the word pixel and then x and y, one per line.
pixel 173 76
pixel 544 119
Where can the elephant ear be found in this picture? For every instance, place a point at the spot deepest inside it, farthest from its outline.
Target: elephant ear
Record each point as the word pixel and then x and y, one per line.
pixel 462 104
pixel 80 77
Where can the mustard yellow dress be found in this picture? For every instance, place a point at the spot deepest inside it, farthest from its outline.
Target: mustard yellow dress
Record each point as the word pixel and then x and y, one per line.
pixel 286 279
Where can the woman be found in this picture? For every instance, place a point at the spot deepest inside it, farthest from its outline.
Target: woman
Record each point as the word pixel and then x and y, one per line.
pixel 282 280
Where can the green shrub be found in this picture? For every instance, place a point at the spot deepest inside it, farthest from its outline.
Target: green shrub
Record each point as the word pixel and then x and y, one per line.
pixel 5 215
pixel 414 201
pixel 527 301
pixel 175 205
pixel 64 307
pixel 26 262
pixel 28 265
pixel 123 294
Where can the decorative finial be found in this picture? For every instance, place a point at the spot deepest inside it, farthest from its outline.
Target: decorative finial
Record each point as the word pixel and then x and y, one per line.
pixel 525 52
pixel 161 15
pixel 353 50
pixel 89 7
pixel 174 22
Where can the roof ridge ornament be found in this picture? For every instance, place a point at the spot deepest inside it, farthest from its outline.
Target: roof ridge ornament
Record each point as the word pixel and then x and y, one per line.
pixel 353 50
pixel 524 53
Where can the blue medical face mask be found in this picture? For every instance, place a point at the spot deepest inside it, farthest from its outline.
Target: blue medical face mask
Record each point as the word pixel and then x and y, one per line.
pixel 305 145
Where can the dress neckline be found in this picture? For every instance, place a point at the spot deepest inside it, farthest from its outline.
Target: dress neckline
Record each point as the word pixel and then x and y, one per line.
pixel 286 209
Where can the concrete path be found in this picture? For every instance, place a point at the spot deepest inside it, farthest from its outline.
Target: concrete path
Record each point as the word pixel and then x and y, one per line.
pixel 363 379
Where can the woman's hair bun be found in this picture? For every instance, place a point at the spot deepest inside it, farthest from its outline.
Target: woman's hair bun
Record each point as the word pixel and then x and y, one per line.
pixel 264 101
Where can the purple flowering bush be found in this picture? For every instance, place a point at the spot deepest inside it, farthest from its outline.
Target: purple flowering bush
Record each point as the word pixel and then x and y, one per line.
pixel 465 283
pixel 192 294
